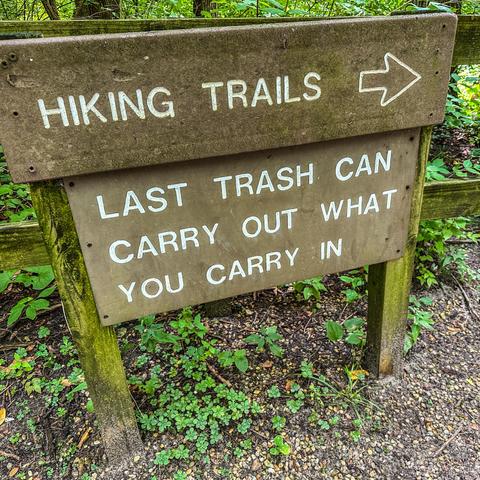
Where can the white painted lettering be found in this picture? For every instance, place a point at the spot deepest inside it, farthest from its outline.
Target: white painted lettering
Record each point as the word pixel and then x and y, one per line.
pixel 213 92
pixel 113 252
pixel 61 110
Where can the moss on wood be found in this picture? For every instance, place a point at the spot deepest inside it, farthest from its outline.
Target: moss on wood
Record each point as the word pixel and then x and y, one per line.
pixel 389 288
pixel 22 246
pixel 452 198
pixel 97 346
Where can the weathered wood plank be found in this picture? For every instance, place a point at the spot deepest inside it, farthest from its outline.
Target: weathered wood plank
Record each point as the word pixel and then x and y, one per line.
pixel 97 346
pixel 188 113
pixel 467 41
pixel 467 45
pixel 389 288
pixel 90 27
pixel 22 246
pixel 452 198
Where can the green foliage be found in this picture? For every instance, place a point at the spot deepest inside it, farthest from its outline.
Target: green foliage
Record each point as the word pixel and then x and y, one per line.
pixel 36 278
pixel 310 288
pixel 438 171
pixel 462 109
pixel 352 331
pixel 280 447
pixel 431 7
pixel 234 357
pixel 434 256
pixel 356 281
pixel 274 392
pixel 183 397
pixel 278 422
pixel 267 338
pixel 419 319
pixel 322 391
pixel 15 203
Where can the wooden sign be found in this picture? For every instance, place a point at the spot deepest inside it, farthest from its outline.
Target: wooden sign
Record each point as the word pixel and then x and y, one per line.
pixel 78 105
pixel 159 238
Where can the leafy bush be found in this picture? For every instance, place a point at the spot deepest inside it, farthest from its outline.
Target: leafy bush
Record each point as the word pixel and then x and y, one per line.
pixel 434 256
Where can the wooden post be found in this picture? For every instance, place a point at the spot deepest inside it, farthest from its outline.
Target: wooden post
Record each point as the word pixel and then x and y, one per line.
pixel 97 346
pixel 389 288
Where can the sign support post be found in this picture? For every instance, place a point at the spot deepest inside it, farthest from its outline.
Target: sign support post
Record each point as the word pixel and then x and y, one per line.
pixel 389 287
pixel 97 345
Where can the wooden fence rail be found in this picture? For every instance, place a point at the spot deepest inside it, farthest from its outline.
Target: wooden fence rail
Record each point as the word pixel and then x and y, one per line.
pixel 467 42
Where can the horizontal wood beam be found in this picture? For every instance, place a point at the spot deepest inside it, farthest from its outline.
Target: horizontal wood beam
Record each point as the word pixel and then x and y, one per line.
pixel 22 246
pixel 452 198
pixel 467 44
pixel 21 243
pixel 467 41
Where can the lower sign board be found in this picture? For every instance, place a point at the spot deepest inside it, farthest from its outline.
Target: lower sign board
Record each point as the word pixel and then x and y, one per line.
pixel 159 238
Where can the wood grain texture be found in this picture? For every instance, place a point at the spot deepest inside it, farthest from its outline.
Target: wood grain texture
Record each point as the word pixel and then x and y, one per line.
pixel 329 91
pixel 452 198
pixel 22 246
pixel 467 42
pixel 389 288
pixel 97 346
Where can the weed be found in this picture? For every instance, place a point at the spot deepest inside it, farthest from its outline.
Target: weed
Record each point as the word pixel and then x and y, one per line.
pixel 433 255
pixel 356 281
pixel 268 337
pixel 188 401
pixel 352 331
pixel 278 423
pixel 280 447
pixel 310 288
pixel 419 318
pixel 274 392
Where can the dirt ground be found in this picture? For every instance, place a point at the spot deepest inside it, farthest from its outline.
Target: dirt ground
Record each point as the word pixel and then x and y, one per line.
pixel 425 426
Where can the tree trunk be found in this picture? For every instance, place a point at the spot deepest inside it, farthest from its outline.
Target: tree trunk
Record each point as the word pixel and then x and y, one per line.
pixel 50 7
pixel 202 5
pixel 93 9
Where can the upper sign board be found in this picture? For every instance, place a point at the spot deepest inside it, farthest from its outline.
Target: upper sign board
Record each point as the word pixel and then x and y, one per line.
pixel 159 238
pixel 79 105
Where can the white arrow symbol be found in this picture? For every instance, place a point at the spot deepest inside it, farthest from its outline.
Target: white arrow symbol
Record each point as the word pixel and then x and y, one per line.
pixel 371 76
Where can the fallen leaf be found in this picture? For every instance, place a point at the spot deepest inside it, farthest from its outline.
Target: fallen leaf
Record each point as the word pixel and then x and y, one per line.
pixel 454 330
pixel 288 385
pixel 267 364
pixel 84 437
pixel 66 382
pixel 3 414
pixel 13 471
